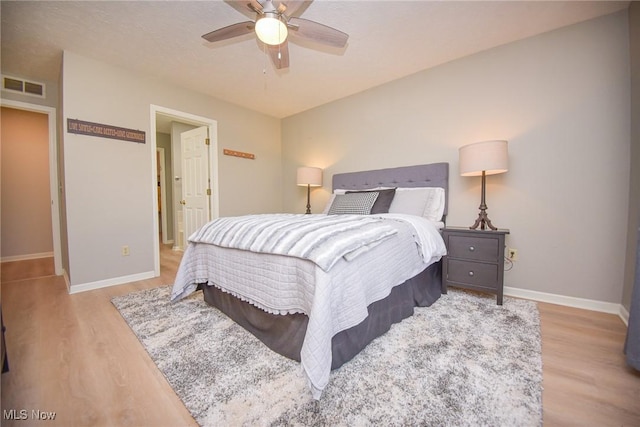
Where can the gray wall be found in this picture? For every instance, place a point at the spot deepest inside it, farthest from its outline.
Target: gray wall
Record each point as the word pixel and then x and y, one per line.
pixel 110 184
pixel 51 98
pixel 561 99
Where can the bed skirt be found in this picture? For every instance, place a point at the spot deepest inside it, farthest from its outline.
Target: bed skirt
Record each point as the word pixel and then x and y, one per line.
pixel 284 334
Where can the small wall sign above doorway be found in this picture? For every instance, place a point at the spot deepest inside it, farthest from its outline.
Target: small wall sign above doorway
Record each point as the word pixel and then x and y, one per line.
pixel 228 152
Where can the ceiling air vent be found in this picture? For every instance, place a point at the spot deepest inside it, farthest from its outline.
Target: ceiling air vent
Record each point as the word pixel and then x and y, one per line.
pixel 14 84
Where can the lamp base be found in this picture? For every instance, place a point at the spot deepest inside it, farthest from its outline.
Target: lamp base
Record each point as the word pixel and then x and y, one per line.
pixel 308 199
pixel 483 221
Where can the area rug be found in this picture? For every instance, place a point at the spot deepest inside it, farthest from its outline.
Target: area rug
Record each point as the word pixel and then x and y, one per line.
pixel 464 361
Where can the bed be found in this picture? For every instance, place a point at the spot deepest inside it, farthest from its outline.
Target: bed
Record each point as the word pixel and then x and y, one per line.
pixel 317 309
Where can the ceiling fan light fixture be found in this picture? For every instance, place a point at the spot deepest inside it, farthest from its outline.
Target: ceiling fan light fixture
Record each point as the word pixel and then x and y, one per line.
pixel 271 30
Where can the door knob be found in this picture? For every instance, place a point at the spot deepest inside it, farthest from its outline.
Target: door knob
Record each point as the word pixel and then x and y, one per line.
pixel 183 202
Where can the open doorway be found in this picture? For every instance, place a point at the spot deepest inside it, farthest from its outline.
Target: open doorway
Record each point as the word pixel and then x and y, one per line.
pixel 53 181
pixel 165 195
pixel 167 126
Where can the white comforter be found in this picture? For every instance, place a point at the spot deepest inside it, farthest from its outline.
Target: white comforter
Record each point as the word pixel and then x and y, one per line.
pixel 284 284
pixel 322 239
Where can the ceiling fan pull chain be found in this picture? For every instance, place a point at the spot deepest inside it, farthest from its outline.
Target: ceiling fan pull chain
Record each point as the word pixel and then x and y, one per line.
pixel 264 67
pixel 264 57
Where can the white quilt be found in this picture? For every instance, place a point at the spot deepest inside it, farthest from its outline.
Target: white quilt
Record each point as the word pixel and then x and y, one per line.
pixel 323 239
pixel 283 284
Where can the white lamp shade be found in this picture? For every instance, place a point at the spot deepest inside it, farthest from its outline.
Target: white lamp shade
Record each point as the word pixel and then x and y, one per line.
pixel 492 157
pixel 271 31
pixel 309 176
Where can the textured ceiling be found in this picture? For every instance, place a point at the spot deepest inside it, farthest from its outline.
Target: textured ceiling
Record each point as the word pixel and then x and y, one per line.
pixel 162 39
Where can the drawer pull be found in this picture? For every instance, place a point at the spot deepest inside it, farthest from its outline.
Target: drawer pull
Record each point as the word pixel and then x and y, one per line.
pixel 471 273
pixel 472 248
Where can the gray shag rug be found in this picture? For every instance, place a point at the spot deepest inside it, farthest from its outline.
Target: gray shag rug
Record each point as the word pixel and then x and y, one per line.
pixel 464 361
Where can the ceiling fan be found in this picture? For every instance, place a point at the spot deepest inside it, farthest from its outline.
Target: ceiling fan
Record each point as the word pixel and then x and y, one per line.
pixel 273 25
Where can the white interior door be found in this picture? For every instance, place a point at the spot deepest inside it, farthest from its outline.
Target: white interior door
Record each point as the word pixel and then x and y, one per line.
pixel 195 180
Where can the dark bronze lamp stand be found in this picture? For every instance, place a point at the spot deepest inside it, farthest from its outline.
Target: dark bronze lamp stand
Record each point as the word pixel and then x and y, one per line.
pixel 308 199
pixel 483 220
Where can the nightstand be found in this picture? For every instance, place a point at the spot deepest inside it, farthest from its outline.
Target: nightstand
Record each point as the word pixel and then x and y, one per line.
pixel 474 260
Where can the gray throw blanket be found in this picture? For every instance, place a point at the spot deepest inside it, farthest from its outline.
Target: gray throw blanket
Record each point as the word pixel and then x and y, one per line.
pixel 322 239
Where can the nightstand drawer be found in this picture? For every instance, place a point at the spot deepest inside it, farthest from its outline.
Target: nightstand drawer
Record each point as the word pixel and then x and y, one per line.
pixel 473 248
pixel 473 273
pixel 474 260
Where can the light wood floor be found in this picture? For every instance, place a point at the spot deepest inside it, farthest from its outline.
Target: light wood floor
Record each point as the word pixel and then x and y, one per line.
pixel 75 356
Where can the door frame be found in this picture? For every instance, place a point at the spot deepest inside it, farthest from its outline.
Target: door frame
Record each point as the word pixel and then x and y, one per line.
pixel 192 119
pixel 54 188
pixel 163 194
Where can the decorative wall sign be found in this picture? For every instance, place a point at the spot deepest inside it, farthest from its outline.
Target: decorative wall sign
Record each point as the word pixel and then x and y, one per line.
pixel 239 154
pixel 105 131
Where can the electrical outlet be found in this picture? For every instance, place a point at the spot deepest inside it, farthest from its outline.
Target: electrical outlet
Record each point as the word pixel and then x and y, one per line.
pixel 125 250
pixel 512 254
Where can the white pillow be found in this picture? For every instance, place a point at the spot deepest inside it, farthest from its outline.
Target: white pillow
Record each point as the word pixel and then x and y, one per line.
pixel 434 209
pixel 427 202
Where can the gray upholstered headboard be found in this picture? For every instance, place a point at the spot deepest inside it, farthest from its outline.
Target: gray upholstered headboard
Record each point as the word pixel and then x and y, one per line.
pixel 431 175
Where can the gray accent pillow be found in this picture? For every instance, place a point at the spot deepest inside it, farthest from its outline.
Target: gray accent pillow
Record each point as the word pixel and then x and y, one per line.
pixel 353 204
pixel 385 197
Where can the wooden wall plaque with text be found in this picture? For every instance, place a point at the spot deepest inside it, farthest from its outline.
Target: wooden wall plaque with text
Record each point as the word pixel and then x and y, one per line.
pixel 105 131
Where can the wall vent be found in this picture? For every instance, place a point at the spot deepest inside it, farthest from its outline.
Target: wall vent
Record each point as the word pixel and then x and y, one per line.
pixel 14 84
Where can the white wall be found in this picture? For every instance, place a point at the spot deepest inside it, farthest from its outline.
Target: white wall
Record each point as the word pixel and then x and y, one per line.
pixel 561 99
pixel 109 183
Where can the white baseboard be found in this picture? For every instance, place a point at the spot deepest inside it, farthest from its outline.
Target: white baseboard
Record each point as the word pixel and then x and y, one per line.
pixel 27 257
pixel 66 280
pixel 624 315
pixel 587 304
pixel 74 289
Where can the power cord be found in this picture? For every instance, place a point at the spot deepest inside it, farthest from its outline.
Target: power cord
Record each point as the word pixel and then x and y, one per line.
pixel 508 264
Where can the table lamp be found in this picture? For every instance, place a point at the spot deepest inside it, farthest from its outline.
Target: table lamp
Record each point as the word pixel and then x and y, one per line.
pixel 482 159
pixel 311 177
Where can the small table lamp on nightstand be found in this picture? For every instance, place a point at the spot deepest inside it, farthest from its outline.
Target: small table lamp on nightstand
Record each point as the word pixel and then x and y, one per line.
pixel 481 159
pixel 311 177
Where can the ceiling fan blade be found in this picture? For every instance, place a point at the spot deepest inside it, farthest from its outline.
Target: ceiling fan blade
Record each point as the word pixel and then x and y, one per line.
pixel 314 31
pixel 253 5
pixel 290 7
pixel 246 7
pixel 279 55
pixel 239 29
